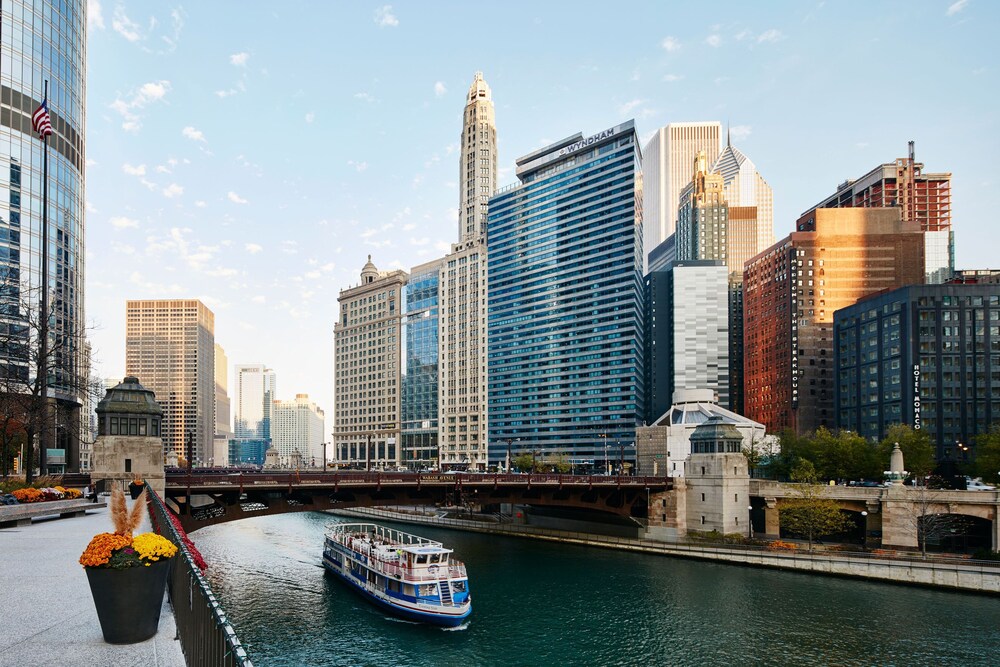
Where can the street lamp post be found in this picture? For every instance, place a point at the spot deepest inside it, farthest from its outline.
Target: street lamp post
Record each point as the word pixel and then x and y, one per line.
pixel 368 454
pixel 324 455
pixel 621 458
pixel 864 530
pixel 510 441
pixel 750 511
pixel 607 466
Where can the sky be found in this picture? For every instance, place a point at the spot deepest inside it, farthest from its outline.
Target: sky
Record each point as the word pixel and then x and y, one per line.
pixel 253 154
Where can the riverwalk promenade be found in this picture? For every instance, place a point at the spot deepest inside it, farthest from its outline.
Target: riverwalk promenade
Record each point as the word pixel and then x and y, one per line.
pixel 956 574
pixel 47 614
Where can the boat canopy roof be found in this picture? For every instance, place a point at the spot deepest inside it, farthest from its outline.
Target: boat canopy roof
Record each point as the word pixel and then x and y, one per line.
pixel 424 549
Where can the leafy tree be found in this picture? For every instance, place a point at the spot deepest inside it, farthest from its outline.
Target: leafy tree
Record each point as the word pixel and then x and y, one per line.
pixel 562 465
pixel 812 515
pixel 804 471
pixel 918 451
pixel 987 463
pixel 524 462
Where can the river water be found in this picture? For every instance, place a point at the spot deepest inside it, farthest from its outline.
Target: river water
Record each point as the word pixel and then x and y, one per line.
pixel 536 603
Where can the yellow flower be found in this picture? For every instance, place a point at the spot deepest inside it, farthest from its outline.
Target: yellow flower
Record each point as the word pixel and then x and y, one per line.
pixel 152 547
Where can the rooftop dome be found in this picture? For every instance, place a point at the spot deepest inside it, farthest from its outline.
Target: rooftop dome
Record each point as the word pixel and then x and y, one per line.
pixel 129 397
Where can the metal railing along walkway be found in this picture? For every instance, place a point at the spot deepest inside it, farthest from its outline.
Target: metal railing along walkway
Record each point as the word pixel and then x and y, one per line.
pixel 206 636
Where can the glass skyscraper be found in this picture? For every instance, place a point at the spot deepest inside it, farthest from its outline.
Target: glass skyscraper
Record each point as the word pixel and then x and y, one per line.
pixel 565 354
pixel 43 41
pixel 420 379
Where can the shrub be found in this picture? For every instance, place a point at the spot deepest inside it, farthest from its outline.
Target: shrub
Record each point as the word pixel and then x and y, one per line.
pixel 986 554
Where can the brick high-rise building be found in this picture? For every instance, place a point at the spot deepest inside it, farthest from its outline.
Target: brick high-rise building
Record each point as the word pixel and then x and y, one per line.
pixel 170 348
pixel 923 198
pixel 791 291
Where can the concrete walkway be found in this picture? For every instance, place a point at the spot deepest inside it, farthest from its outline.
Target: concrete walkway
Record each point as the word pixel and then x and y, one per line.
pixel 47 614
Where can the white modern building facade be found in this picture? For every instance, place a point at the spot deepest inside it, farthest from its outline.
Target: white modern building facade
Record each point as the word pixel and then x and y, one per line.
pixel 665 445
pixel 223 416
pixel 666 169
pixel 256 389
pixel 298 427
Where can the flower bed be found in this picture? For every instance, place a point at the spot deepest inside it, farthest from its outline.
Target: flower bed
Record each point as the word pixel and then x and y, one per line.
pixel 778 545
pixel 37 495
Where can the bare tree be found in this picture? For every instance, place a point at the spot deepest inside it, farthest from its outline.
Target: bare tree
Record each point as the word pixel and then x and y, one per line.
pixel 929 523
pixel 29 382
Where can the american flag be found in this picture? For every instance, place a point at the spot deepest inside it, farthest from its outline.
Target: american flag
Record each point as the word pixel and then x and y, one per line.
pixel 41 121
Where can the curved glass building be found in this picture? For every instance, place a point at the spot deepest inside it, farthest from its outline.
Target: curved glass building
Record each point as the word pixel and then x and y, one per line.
pixel 565 303
pixel 43 40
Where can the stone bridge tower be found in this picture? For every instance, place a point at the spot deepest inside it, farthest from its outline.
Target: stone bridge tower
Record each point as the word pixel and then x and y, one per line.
pixel 129 444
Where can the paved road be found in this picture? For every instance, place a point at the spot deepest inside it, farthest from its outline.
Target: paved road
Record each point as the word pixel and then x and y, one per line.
pixel 47 614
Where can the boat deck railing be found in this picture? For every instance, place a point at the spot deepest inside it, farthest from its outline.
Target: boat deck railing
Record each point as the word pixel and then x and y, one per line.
pixel 390 564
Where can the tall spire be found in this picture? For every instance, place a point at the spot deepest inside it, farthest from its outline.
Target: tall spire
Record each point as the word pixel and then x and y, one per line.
pixel 729 141
pixel 478 160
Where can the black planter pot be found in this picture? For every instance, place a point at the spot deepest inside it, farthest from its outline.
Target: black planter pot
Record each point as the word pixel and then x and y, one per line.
pixel 134 490
pixel 128 601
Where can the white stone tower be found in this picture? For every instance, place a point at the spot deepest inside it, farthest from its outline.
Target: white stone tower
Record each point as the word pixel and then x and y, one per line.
pixel 477 172
pixel 462 437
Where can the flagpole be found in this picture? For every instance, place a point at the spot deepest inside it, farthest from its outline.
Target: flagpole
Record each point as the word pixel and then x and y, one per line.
pixel 43 326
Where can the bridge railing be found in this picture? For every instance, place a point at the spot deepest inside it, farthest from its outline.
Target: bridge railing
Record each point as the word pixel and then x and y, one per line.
pixel 206 636
pixel 285 477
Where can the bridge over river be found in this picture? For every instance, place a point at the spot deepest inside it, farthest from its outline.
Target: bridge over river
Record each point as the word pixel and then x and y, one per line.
pixel 203 497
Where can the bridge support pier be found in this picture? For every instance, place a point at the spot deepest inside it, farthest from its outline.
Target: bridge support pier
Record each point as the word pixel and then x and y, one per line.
pixel 772 518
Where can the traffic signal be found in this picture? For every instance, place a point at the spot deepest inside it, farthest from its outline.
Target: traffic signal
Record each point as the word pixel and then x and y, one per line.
pixel 16 461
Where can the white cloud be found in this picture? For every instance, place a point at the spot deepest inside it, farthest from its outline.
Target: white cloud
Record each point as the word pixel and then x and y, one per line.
pixel 258 299
pixel 193 134
pixel 162 169
pixel 239 59
pixel 624 109
pixel 121 222
pixel 173 190
pixel 740 132
pixel 385 18
pixel 90 207
pixel 956 7
pixel 359 166
pixel 713 40
pixel 200 204
pixel 671 78
pixel 134 171
pixel 365 97
pixel 253 248
pixel 310 117
pixel 95 18
pixel 153 91
pixel 235 198
pixel 91 162
pixel 226 93
pixel 439 88
pixel 122 248
pixel 743 34
pixel 670 44
pixel 771 35
pixel 125 26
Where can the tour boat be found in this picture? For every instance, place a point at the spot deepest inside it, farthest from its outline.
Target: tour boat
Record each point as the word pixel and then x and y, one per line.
pixel 406 575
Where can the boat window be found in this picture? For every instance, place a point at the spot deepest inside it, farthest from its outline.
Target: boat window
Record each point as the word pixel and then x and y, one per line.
pixel 421 558
pixel 434 558
pixel 407 589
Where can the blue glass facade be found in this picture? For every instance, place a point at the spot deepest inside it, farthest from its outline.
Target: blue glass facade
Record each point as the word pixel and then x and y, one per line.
pixel 565 355
pixel 41 41
pixel 420 372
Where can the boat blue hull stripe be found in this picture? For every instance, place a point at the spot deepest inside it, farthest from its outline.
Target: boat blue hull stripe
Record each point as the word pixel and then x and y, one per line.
pixel 450 621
